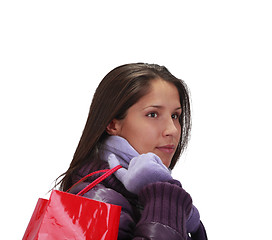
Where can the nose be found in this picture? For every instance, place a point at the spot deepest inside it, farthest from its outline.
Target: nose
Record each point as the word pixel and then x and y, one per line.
pixel 170 127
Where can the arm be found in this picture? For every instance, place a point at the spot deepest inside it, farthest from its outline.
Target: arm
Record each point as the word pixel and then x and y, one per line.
pixel 166 203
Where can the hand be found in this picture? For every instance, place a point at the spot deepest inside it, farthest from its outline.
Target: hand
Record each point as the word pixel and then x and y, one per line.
pixel 142 170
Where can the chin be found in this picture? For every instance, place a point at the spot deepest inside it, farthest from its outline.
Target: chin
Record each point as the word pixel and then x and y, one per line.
pixel 166 162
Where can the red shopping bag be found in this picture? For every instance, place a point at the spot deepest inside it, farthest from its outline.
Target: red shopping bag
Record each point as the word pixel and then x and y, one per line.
pixel 73 217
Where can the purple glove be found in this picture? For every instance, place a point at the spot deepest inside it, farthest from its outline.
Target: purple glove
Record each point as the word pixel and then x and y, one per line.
pixel 193 221
pixel 142 170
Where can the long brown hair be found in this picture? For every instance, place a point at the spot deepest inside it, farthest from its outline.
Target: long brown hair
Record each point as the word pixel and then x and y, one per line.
pixel 117 92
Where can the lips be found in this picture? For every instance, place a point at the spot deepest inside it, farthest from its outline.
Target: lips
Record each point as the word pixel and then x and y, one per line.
pixel 167 149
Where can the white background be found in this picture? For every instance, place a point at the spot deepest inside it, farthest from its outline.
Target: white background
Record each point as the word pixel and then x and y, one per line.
pixel 54 53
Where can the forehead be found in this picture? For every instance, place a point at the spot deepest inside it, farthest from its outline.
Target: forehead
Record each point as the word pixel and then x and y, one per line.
pixel 161 92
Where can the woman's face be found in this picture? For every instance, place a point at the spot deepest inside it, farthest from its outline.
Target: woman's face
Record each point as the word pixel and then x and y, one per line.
pixel 152 124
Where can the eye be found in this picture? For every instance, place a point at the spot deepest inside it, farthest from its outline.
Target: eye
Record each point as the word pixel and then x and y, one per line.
pixel 152 115
pixel 175 116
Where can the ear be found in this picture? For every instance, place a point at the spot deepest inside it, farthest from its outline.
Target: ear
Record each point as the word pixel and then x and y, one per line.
pixel 114 127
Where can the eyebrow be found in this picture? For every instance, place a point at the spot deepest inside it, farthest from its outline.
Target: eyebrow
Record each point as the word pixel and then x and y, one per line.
pixel 158 106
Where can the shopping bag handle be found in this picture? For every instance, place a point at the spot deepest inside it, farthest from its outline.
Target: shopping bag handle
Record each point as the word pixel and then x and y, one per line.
pixel 107 172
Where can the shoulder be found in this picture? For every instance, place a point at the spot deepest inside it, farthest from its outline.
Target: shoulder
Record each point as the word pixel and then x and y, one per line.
pixel 103 194
pixel 108 195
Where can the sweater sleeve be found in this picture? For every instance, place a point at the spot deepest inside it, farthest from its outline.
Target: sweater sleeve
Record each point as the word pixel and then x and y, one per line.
pixel 166 208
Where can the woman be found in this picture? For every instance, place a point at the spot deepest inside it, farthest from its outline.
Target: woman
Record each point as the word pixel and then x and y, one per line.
pixel 139 118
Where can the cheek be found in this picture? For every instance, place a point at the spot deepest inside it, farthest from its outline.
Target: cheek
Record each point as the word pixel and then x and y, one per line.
pixel 178 127
pixel 145 139
pixel 133 132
